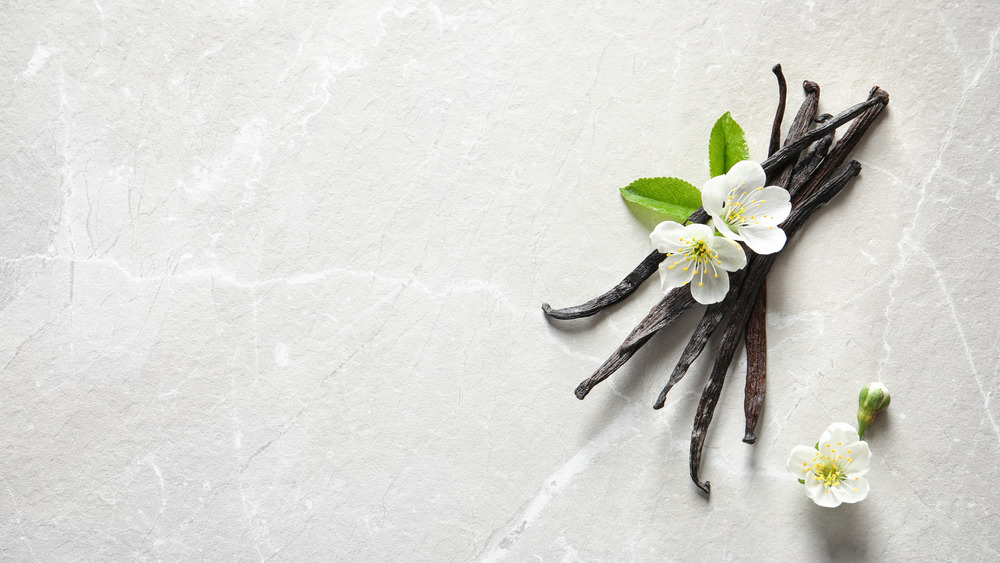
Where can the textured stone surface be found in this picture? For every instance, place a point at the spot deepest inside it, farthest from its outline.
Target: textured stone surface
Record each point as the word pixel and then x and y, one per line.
pixel 270 279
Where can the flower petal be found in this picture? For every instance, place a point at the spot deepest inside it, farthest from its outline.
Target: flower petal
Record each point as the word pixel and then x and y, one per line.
pixel 748 173
pixel 675 271
pixel 730 254
pixel 800 461
pixel 858 456
pixel 831 443
pixel 763 239
pixel 771 205
pixel 820 493
pixel 710 285
pixel 699 232
pixel 853 489
pixel 723 228
pixel 667 237
pixel 714 194
pixel 839 432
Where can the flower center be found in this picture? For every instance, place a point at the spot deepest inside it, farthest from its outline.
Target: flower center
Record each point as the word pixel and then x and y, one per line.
pixel 828 470
pixel 703 256
pixel 830 475
pixel 739 206
pixel 699 251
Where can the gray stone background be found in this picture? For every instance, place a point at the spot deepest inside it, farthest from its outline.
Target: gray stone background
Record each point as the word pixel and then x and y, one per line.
pixel 270 276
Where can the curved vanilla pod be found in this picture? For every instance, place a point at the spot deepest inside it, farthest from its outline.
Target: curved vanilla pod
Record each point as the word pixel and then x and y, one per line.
pixel 755 333
pixel 879 99
pixel 754 276
pixel 779 113
pixel 624 288
pixel 616 294
pixel 665 312
pixel 792 149
pixel 801 123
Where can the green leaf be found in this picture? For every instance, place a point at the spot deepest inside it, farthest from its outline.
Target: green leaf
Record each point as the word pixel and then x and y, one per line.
pixel 803 481
pixel 727 145
pixel 671 196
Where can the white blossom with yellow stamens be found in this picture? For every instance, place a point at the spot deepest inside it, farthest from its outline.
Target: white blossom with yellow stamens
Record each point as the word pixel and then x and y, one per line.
pixel 742 208
pixel 833 471
pixel 696 256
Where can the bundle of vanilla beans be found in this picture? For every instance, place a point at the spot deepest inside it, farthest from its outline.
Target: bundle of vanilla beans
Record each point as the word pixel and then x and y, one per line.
pixel 811 167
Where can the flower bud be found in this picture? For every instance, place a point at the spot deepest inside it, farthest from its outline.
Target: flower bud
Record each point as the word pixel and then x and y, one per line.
pixel 874 398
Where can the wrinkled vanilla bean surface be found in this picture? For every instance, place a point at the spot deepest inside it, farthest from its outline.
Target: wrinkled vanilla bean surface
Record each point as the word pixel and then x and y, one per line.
pixel 755 337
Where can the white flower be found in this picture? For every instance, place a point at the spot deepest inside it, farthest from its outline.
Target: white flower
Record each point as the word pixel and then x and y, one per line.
pixel 695 255
pixel 743 209
pixel 833 473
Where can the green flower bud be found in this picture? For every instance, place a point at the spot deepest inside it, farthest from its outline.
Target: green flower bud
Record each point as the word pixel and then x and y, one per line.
pixel 874 397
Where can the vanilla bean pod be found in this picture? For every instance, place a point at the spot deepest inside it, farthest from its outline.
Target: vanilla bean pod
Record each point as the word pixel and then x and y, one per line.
pixel 755 341
pixel 755 335
pixel 779 113
pixel 792 149
pixel 616 294
pixel 709 322
pixel 808 164
pixel 624 288
pixel 879 99
pixel 755 338
pixel 665 312
pixel 800 124
pixel 754 277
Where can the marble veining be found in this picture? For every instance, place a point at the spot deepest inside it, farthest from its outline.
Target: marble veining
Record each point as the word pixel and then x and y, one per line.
pixel 271 276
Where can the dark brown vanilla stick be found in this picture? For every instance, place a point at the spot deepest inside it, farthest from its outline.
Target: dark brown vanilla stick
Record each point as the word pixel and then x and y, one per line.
pixel 624 288
pixel 616 294
pixel 807 112
pixel 879 98
pixel 709 322
pixel 808 164
pixel 665 312
pixel 792 149
pixel 756 273
pixel 779 113
pixel 756 347
pixel 800 124
pixel 755 340
pixel 755 337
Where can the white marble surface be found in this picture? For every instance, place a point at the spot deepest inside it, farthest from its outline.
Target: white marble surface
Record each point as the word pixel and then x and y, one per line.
pixel 271 275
